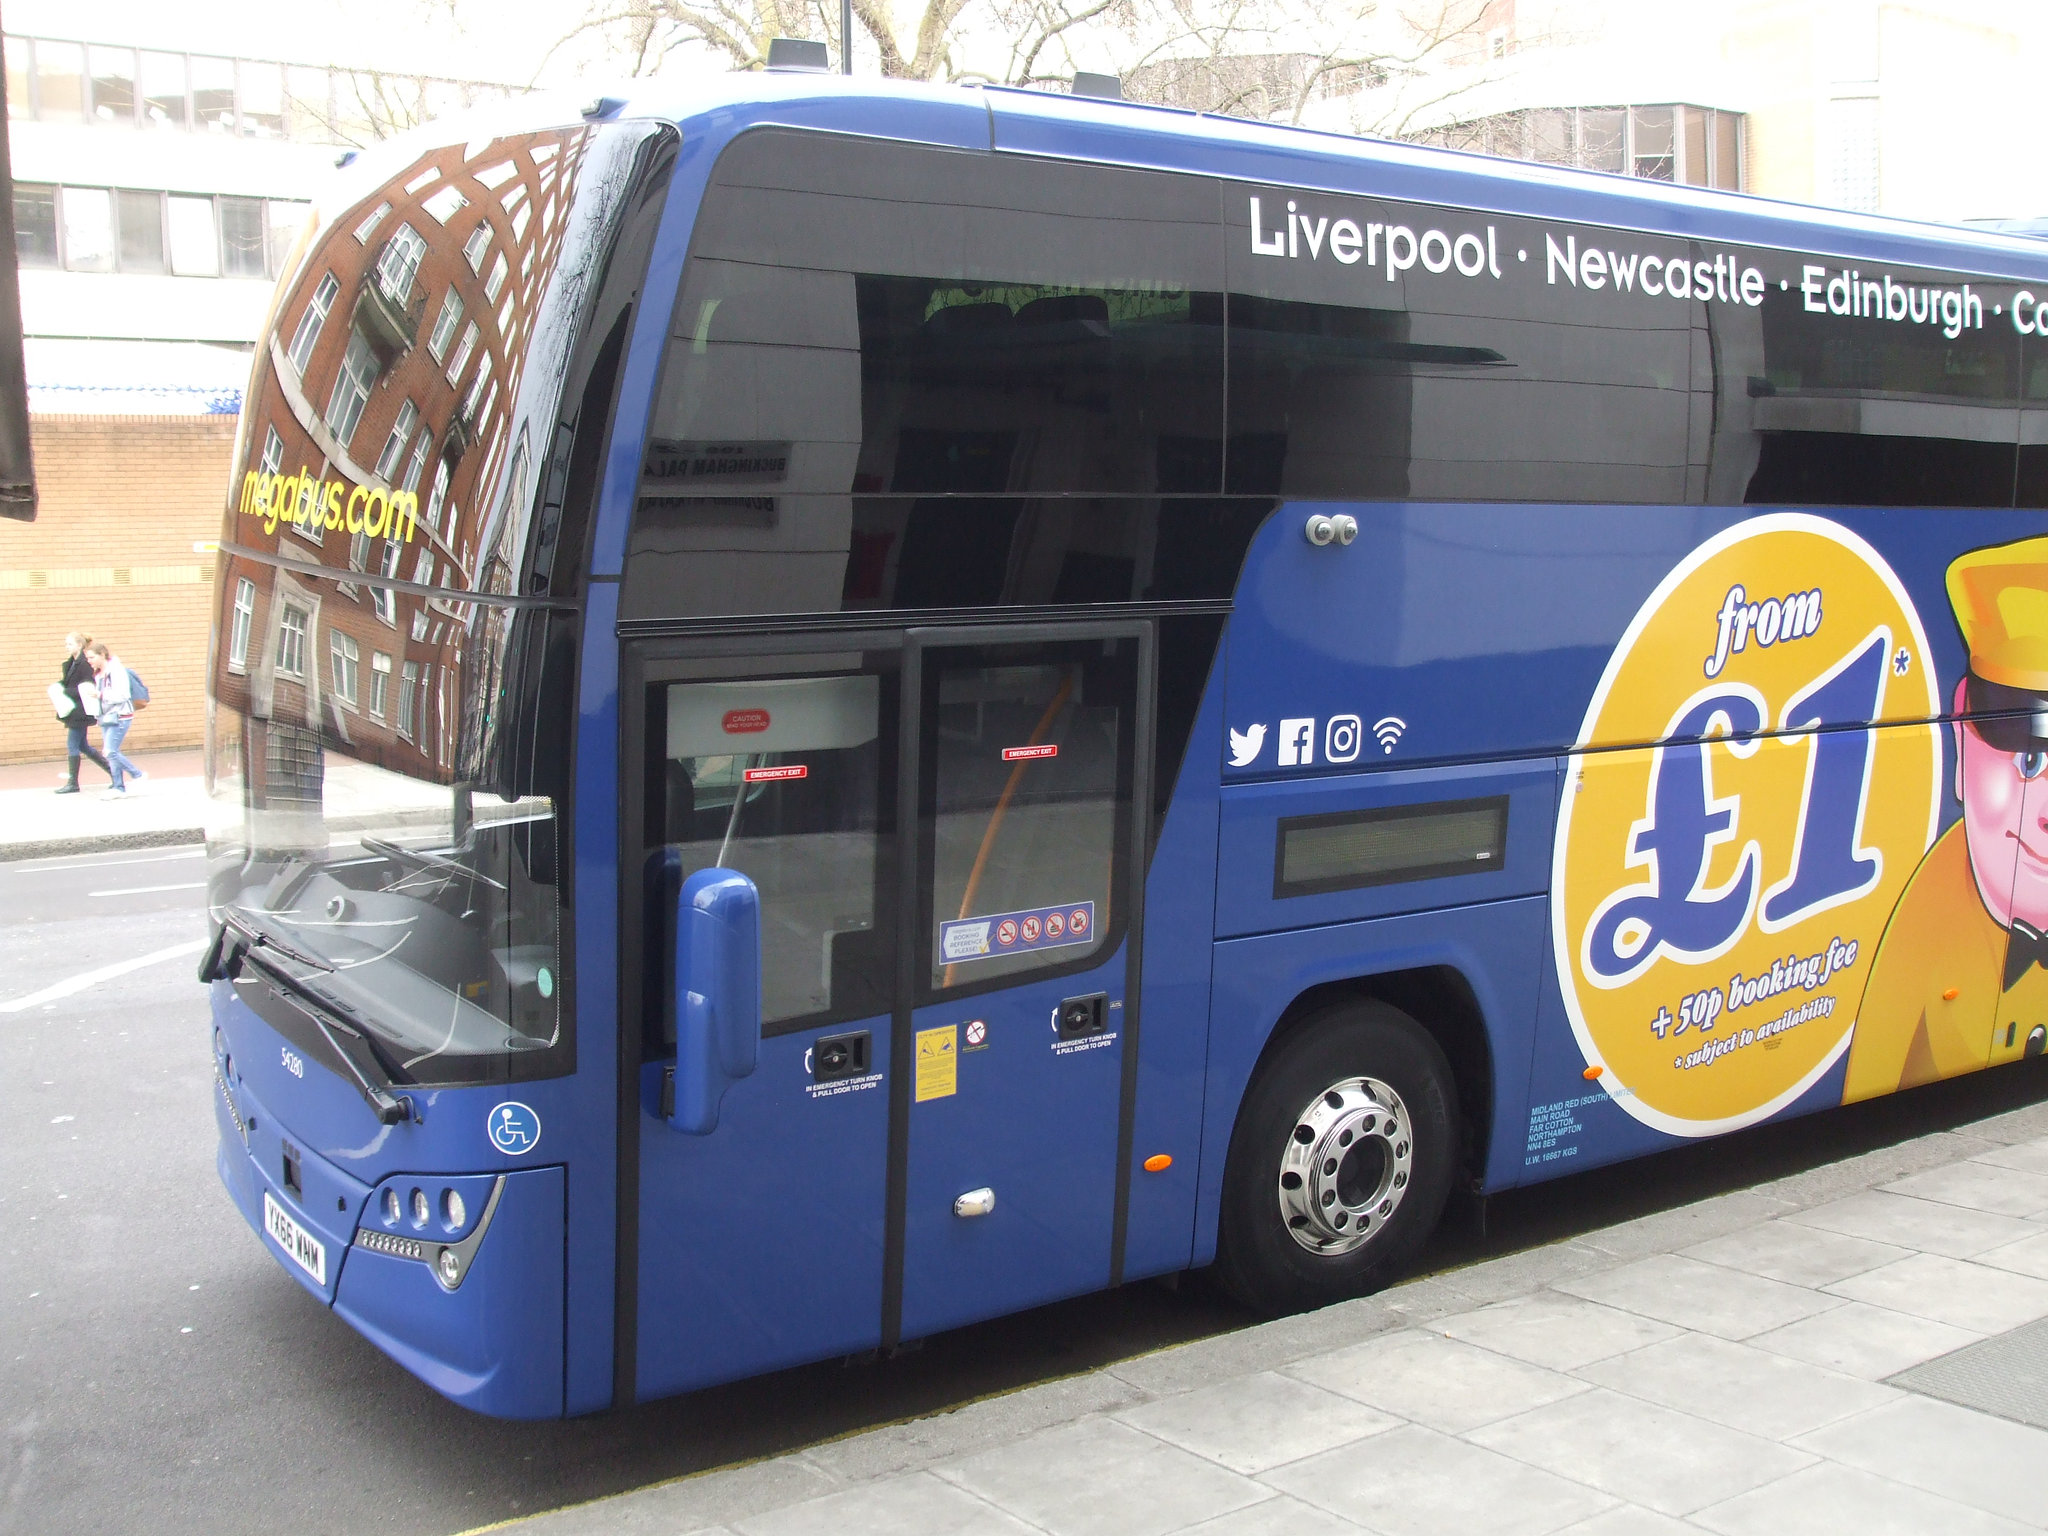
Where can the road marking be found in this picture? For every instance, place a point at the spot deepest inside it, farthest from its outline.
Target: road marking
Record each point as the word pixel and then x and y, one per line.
pixel 85 979
pixel 57 869
pixel 149 890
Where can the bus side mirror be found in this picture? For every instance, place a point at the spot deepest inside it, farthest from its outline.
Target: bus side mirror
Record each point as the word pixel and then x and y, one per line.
pixel 718 993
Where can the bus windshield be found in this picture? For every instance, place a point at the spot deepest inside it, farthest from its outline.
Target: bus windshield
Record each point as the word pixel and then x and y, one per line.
pixel 395 610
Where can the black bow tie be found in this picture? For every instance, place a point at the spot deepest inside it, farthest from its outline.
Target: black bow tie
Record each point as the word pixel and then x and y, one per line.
pixel 2025 947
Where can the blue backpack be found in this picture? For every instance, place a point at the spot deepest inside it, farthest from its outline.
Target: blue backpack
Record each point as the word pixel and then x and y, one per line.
pixel 138 690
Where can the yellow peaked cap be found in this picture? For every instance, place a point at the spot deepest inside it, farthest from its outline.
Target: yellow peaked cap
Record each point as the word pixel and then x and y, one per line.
pixel 2000 596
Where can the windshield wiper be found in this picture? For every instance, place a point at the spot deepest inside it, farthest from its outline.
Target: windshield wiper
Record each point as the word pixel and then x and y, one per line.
pixel 238 921
pixel 239 944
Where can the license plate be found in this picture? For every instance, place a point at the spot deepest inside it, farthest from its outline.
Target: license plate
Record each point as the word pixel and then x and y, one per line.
pixel 305 1250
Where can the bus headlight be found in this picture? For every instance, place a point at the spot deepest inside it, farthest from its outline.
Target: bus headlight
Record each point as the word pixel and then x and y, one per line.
pixel 453 1212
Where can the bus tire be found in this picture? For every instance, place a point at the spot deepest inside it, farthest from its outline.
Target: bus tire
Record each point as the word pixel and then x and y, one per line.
pixel 1342 1159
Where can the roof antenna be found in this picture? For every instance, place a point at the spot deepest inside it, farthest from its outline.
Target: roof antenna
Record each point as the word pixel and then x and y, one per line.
pixel 1108 87
pixel 799 54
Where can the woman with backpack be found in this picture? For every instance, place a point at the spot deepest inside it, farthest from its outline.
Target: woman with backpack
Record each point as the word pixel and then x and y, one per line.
pixel 116 715
pixel 69 703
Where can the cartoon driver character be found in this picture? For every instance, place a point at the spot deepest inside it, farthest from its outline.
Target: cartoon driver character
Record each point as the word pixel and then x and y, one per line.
pixel 1958 981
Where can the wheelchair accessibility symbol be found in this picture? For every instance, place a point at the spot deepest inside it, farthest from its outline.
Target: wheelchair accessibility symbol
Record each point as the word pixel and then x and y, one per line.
pixel 514 1129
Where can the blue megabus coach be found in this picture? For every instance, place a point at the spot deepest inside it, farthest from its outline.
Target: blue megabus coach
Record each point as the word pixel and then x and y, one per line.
pixel 838 709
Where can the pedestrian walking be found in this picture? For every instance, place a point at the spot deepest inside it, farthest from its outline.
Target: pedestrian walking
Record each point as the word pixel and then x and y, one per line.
pixel 116 714
pixel 68 697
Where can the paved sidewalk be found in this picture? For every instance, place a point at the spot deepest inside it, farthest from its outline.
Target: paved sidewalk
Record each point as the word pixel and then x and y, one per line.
pixel 165 809
pixel 1721 1367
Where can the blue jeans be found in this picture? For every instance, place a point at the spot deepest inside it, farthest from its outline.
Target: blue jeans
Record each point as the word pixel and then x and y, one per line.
pixel 112 732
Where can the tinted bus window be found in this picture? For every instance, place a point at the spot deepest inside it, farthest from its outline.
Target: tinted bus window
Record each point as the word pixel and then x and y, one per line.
pixel 1397 350
pixel 1880 388
pixel 909 377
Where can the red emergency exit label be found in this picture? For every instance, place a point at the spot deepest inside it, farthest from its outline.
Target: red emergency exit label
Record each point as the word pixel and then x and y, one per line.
pixel 1027 754
pixel 782 771
pixel 745 722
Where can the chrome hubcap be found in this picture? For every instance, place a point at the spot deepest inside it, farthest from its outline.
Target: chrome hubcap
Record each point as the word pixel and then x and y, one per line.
pixel 1345 1169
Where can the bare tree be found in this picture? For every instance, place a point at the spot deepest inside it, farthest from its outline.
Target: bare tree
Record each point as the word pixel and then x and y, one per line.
pixel 1261 58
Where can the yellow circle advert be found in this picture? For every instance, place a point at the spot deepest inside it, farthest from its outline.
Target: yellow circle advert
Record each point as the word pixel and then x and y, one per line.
pixel 1717 899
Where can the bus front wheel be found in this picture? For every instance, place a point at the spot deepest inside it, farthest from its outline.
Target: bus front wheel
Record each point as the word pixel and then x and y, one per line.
pixel 1341 1162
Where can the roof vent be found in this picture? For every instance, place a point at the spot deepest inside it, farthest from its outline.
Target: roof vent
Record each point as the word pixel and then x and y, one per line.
pixel 799 53
pixel 1108 87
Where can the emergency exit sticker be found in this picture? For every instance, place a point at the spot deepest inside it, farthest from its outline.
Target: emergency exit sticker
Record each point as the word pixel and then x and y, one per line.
pixel 777 772
pixel 938 1063
pixel 1030 754
pixel 1017 933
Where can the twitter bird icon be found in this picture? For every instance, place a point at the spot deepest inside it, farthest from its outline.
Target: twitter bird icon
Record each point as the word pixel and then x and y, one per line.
pixel 1244 746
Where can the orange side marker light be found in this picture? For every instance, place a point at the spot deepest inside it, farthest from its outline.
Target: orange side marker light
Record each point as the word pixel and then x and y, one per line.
pixel 1158 1162
pixel 1951 994
pixel 1592 1072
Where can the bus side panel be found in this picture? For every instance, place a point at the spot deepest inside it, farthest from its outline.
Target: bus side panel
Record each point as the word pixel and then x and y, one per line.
pixel 495 1343
pixel 1496 947
pixel 1173 1025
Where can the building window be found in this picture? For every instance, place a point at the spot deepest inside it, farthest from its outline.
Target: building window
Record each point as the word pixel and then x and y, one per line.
pixel 476 245
pixel 308 333
pixel 399 263
pixel 291 641
pixel 408 693
pixel 439 496
pixel 113 87
pixel 245 617
pixel 416 465
pixel 394 445
pixel 35 227
pixel 243 238
pixel 163 90
pixel 445 204
pixel 382 599
pixel 273 452
pixel 496 280
pixel 369 225
pixel 352 387
pixel 88 229
pixel 281 224
pixel 60 82
pixel 342 654
pixel 142 230
pixel 463 349
pixel 358 553
pixel 380 683
pixel 1698 146
pixel 444 324
pixel 195 241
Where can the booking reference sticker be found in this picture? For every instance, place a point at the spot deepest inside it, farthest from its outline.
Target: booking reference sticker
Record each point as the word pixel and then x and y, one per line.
pixel 1717 901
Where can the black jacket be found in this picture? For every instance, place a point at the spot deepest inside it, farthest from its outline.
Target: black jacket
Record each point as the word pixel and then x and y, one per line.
pixel 77 670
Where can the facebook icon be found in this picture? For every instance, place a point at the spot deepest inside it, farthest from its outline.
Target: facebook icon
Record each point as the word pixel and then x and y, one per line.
pixel 1297 742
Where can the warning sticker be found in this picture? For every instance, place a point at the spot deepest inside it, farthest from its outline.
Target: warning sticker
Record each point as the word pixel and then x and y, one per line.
pixel 1030 754
pixel 1016 933
pixel 778 771
pixel 938 1063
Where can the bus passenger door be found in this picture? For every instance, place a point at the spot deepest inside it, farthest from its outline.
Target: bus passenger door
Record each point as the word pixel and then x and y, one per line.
pixel 760 1241
pixel 1027 756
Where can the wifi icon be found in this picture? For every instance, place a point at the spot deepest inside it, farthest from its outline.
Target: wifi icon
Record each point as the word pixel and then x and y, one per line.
pixel 1388 731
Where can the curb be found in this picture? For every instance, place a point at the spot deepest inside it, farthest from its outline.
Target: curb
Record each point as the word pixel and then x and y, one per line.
pixel 106 842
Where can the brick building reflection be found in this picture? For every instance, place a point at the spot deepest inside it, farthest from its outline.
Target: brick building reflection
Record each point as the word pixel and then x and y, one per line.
pixel 378 444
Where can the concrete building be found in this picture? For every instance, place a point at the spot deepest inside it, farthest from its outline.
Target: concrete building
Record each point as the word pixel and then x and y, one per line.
pixel 1905 107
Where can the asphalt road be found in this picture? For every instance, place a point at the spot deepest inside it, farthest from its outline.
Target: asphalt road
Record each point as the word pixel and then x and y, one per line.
pixel 158 1371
